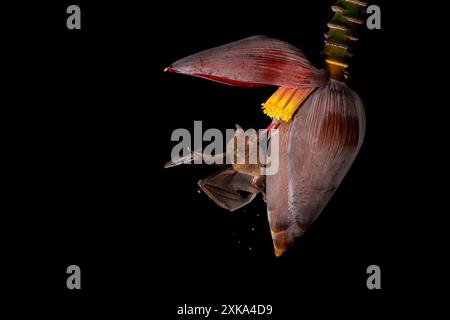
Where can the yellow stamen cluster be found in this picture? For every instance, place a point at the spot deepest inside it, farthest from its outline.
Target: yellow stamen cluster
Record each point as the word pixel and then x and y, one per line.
pixel 284 102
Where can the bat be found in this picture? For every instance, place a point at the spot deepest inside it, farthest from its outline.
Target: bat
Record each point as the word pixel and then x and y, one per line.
pixel 233 187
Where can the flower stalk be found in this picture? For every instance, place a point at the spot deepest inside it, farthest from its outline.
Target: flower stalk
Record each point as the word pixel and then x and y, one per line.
pixel 338 40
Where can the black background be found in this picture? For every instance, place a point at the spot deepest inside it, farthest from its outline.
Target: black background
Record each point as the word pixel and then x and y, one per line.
pixel 92 116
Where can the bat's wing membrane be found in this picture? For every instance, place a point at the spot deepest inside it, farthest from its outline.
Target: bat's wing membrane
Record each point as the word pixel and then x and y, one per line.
pixel 229 189
pixel 196 156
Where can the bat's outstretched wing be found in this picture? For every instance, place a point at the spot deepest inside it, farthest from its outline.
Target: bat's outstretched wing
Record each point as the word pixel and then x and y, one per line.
pixel 196 156
pixel 229 189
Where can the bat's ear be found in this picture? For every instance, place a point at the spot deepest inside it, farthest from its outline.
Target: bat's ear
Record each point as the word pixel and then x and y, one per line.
pixel 239 130
pixel 254 61
pixel 240 134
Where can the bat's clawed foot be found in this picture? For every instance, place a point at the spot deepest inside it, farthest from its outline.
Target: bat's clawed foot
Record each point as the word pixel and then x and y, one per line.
pixel 259 182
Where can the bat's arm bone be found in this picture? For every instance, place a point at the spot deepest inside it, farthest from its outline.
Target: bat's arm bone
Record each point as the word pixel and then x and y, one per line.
pixel 196 157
